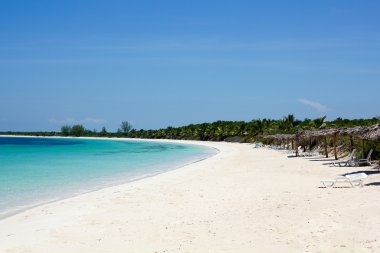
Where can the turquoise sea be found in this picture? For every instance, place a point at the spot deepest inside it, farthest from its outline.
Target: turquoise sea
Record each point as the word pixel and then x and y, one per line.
pixel 35 170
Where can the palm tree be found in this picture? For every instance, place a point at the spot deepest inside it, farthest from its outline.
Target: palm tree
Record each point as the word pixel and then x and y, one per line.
pixel 319 123
pixel 290 121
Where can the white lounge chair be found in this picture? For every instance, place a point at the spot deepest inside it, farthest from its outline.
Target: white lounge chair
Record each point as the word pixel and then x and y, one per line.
pixel 347 162
pixel 366 161
pixel 314 152
pixel 355 180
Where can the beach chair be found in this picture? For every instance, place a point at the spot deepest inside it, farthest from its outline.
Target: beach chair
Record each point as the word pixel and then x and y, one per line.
pixel 347 162
pixel 366 161
pixel 355 180
pixel 314 152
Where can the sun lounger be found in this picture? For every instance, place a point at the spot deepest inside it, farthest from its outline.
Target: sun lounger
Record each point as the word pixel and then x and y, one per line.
pixel 347 162
pixel 355 180
pixel 366 161
pixel 309 154
pixel 258 145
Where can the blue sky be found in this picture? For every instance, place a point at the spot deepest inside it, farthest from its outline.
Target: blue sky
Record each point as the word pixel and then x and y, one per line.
pixel 172 63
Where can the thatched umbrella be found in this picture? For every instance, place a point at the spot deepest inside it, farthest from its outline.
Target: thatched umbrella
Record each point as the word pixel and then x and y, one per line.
pixel 363 133
pixel 357 131
pixel 373 133
pixel 289 137
pixel 323 133
pixel 333 132
pixel 280 137
pixel 305 134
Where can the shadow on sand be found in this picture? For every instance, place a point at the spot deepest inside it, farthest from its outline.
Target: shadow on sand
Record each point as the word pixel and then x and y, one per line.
pixel 373 184
pixel 368 172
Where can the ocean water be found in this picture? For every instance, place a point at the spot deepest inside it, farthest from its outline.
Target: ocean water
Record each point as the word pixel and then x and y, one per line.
pixel 34 170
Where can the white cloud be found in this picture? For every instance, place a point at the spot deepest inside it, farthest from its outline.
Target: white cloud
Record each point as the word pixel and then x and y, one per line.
pixel 75 121
pixel 315 105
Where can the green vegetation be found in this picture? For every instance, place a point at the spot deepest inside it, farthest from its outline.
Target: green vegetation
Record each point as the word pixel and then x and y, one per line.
pixel 125 127
pixel 237 131
pixel 245 131
pixel 66 130
pixel 103 132
pixel 77 130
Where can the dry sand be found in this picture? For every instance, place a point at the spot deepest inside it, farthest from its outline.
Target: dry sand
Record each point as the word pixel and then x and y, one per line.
pixel 241 200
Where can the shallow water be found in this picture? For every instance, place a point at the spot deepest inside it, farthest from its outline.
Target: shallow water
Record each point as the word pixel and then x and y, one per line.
pixel 40 170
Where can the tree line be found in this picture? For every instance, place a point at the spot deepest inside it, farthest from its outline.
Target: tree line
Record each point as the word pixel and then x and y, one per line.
pixel 242 131
pixel 235 131
pixel 80 130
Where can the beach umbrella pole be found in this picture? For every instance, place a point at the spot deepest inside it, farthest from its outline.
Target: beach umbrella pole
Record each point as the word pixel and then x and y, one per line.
pixel 351 143
pixel 326 151
pixel 335 152
pixel 362 148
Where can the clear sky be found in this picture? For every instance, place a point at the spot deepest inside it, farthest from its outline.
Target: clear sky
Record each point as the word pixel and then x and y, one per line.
pixel 169 63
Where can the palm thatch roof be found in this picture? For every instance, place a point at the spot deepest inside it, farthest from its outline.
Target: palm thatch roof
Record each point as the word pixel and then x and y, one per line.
pixel 318 133
pixel 354 131
pixel 279 137
pixel 362 132
pixel 373 133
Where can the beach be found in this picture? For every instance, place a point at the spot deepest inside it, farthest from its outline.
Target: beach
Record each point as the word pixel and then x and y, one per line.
pixel 240 200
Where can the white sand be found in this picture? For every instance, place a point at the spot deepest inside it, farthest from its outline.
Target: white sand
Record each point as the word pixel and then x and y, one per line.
pixel 241 200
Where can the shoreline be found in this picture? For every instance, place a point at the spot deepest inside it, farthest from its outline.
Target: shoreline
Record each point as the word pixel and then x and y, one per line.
pixel 9 213
pixel 240 200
